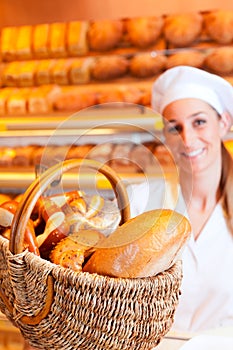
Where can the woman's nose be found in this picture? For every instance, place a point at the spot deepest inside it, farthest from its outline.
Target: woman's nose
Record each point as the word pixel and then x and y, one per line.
pixel 187 135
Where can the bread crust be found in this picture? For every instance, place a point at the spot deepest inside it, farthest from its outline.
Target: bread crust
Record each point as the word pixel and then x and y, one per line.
pixel 144 246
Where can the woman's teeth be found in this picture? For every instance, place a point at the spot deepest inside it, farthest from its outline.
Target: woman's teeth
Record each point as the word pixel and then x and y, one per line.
pixel 194 153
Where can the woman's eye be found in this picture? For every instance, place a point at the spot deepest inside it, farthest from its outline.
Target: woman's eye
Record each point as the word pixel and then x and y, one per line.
pixel 175 129
pixel 199 122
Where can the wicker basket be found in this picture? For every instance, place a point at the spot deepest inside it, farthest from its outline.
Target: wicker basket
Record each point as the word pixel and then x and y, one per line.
pixel 57 308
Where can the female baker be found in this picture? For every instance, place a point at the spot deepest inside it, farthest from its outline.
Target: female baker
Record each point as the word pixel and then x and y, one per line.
pixel 197 110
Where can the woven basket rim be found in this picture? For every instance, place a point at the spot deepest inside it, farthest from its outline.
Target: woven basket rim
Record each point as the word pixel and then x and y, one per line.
pixel 31 258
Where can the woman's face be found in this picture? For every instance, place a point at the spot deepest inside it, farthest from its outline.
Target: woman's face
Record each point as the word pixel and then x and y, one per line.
pixel 193 132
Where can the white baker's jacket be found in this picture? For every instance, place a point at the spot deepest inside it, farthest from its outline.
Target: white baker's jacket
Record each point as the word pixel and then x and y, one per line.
pixel 206 299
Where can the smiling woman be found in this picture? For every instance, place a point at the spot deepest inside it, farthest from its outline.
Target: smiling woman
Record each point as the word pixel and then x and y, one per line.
pixel 197 110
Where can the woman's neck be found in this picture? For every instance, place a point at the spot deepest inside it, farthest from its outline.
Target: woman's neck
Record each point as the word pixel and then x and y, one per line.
pixel 201 195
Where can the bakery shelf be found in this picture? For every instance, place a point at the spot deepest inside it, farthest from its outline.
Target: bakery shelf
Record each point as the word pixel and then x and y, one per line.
pixel 98 124
pixel 17 181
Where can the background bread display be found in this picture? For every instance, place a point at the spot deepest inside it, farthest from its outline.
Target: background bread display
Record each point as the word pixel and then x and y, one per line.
pixel 123 51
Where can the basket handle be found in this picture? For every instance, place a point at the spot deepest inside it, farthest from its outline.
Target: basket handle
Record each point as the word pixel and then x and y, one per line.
pixel 37 188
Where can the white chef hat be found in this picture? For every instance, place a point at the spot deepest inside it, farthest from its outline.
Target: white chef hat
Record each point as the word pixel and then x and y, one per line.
pixel 189 82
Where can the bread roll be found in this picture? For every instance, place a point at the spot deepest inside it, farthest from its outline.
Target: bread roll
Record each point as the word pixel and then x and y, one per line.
pixel 146 65
pixel 72 99
pixel 186 58
pixel 144 31
pixel 71 251
pixel 219 26
pixel 220 60
pixel 105 34
pixel 143 246
pixel 76 38
pixel 183 29
pixel 109 67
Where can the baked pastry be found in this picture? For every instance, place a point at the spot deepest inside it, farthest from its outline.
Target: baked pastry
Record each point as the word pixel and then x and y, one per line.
pixel 23 155
pixel 147 64
pixel 72 99
pixel 43 75
pixel 143 31
pixel 38 101
pixel 10 74
pixel 4 94
pixel 109 67
pixel 146 97
pixel 26 75
pixel 121 160
pixel 121 93
pixel 190 57
pixel 23 43
pixel 7 155
pixel 8 43
pixel 57 40
pixel 76 38
pixel 79 151
pixel 101 152
pixel 72 251
pixel 142 247
pixel 183 29
pixel 105 34
pixel 4 198
pixel 80 70
pixel 60 71
pixel 220 60
pixel 40 41
pixel 17 102
pixel 219 25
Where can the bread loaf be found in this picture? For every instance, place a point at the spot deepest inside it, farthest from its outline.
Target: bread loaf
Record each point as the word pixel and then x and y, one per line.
pixel 57 40
pixel 40 40
pixel 76 38
pixel 23 43
pixel 8 43
pixel 43 73
pixel 143 246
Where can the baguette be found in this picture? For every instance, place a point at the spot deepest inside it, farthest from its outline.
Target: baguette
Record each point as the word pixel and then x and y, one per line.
pixel 143 246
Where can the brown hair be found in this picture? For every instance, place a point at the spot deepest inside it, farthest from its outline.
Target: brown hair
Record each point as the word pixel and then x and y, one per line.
pixel 226 186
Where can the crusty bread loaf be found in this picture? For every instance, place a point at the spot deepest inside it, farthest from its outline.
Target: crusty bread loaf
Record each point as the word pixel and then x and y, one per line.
pixel 143 246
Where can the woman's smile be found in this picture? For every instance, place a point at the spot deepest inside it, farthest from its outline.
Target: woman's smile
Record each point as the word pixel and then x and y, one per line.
pixel 194 153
